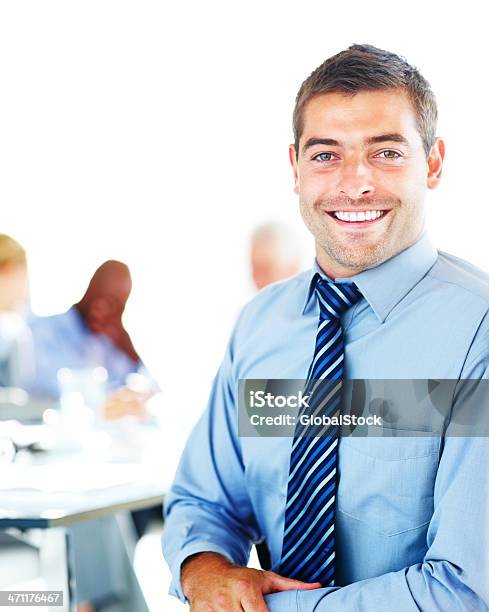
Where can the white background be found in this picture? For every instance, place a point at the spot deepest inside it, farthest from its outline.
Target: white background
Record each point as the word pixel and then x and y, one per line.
pixel 157 133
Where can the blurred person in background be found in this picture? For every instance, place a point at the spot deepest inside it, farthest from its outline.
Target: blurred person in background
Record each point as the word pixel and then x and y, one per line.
pixel 275 254
pixel 91 335
pixel 15 337
pixel 88 337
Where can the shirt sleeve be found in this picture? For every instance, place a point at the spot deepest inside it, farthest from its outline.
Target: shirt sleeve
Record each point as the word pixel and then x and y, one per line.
pixel 208 507
pixel 454 572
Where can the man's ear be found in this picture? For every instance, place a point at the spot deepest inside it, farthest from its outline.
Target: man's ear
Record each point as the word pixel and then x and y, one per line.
pixel 293 163
pixel 435 163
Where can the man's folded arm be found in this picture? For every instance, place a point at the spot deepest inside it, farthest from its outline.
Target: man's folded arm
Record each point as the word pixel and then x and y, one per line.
pixel 208 507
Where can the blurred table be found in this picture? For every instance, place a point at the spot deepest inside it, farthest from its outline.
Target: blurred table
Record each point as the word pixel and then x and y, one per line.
pixel 82 478
pixel 54 497
pixel 42 496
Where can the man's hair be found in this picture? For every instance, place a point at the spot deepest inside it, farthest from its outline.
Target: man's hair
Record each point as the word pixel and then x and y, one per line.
pixel 11 252
pixel 366 68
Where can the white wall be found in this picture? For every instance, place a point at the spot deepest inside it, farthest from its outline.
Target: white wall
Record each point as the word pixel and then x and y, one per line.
pixel 157 133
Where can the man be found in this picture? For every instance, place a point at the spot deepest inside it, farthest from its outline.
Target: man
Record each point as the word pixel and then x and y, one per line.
pixel 275 254
pixel 89 334
pixel 358 523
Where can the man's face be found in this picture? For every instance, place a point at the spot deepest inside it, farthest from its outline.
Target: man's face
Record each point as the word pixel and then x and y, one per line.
pixel 14 287
pixel 106 301
pixel 361 176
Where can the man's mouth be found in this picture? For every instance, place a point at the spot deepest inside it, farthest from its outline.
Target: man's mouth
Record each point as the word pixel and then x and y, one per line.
pixel 358 216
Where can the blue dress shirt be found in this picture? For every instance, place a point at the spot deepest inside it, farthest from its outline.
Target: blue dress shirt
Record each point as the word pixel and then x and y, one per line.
pixel 16 357
pixel 64 341
pixel 412 523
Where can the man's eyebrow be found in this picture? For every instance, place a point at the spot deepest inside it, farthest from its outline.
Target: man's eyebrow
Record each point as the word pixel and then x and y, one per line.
pixel 329 142
pixel 387 138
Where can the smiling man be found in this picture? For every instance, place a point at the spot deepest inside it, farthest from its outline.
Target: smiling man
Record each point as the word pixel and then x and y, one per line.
pixel 361 169
pixel 351 523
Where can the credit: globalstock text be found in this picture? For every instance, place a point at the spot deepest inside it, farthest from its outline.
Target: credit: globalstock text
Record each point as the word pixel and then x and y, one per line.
pixel 342 420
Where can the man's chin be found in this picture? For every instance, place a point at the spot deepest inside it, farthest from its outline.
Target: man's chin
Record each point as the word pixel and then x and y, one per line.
pixel 362 260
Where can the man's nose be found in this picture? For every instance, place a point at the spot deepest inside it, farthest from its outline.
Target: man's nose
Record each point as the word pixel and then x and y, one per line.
pixel 355 180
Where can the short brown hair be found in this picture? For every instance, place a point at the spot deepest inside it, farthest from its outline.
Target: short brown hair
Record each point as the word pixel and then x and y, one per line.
pixel 11 252
pixel 366 68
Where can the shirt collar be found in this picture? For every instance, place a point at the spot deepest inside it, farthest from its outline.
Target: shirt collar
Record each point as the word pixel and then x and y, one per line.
pixel 388 283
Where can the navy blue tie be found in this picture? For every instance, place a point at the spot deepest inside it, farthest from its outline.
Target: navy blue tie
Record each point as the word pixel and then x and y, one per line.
pixel 308 550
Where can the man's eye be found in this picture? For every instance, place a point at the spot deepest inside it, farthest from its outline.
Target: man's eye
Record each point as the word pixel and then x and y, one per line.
pixel 324 157
pixel 389 154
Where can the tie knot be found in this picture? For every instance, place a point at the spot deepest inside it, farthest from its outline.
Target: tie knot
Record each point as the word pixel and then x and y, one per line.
pixel 336 298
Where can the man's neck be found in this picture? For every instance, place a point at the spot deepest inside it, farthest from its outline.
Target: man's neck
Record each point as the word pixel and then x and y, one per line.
pixel 334 270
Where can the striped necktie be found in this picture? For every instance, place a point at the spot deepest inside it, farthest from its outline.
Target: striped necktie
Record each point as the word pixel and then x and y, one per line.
pixel 308 550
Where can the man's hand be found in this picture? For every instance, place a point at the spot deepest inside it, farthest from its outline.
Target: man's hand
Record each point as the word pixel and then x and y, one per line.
pixel 212 584
pixel 125 402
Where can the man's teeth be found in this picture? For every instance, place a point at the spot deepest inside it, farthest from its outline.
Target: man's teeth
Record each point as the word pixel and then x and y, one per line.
pixel 368 215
